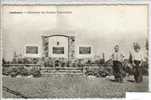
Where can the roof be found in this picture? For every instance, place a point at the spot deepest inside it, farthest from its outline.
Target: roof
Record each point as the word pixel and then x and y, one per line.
pixel 59 31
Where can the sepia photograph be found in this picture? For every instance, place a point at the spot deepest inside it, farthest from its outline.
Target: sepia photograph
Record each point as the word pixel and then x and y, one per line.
pixel 74 51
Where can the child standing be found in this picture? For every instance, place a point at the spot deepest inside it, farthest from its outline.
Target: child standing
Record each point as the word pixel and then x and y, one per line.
pixel 117 58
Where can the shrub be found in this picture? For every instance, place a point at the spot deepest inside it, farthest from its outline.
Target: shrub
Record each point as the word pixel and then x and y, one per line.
pixel 13 72
pixel 35 72
pixel 6 71
pixel 23 71
pixel 63 64
pixel 90 73
pixel 145 68
pixel 97 71
pixel 104 71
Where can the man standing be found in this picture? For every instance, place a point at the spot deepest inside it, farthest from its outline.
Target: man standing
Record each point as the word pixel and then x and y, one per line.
pixel 117 58
pixel 137 59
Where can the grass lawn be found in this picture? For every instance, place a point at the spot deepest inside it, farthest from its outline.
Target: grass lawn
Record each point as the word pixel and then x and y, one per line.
pixel 69 86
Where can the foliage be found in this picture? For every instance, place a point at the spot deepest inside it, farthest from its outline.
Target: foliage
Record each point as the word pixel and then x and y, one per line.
pixel 14 72
pixel 99 71
pixel 35 72
pixel 21 70
pixel 145 68
pixel 106 69
pixel 6 71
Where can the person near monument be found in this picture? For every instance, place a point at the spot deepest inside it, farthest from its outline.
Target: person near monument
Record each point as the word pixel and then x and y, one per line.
pixel 117 58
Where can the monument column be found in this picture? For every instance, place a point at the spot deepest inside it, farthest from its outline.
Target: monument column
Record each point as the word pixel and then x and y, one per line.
pixel 45 48
pixel 71 49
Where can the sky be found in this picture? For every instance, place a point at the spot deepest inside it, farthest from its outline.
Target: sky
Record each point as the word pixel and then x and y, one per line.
pixel 60 1
pixel 99 26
